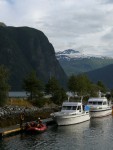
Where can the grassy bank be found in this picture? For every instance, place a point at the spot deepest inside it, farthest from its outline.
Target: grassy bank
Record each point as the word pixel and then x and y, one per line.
pixel 19 102
pixel 13 119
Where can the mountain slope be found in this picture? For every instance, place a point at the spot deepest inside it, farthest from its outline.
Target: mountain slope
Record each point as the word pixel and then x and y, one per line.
pixel 74 62
pixel 104 74
pixel 23 49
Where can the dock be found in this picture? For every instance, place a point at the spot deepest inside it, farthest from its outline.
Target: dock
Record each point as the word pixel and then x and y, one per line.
pixel 12 131
pixel 17 129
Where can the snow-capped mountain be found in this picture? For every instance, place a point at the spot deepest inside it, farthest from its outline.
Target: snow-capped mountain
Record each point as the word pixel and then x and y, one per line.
pixel 69 53
pixel 74 54
pixel 74 62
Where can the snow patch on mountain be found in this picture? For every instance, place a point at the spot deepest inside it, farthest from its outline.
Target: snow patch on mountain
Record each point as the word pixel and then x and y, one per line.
pixel 74 54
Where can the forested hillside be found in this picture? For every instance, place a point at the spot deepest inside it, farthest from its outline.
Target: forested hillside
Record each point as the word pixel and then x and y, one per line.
pixel 104 74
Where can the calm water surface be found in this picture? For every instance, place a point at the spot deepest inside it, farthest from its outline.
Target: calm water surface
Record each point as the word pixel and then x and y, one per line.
pixel 96 134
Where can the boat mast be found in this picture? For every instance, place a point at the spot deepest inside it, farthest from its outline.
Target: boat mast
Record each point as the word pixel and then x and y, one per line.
pixel 81 104
pixel 99 94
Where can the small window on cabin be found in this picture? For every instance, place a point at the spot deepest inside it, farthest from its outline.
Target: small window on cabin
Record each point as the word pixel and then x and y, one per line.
pixel 68 107
pixel 79 108
pixel 95 103
pixel 74 107
pixel 104 103
pixel 64 108
pixel 99 103
pixel 90 102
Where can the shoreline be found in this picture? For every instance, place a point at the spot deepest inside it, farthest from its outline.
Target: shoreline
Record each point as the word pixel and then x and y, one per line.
pixel 10 115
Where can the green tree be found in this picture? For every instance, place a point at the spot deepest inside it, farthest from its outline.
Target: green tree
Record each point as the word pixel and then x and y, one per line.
pixel 59 96
pixel 4 86
pixel 101 86
pixel 33 86
pixel 80 84
pixel 94 89
pixel 83 84
pixel 53 88
pixel 72 84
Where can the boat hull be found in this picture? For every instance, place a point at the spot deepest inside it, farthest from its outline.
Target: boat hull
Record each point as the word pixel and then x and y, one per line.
pixel 36 129
pixel 100 113
pixel 73 119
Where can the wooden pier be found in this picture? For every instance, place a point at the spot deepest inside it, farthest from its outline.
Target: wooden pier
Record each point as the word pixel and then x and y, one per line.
pixel 12 131
pixel 17 128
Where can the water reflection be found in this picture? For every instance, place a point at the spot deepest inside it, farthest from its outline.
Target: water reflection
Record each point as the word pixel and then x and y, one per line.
pixel 96 134
pixel 101 132
pixel 101 122
pixel 71 130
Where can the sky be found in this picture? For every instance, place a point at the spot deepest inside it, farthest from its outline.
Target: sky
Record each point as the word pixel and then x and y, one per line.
pixel 83 25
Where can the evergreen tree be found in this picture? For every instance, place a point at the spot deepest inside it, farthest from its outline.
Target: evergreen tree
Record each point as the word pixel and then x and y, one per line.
pixel 79 84
pixel 72 84
pixel 4 86
pixel 53 88
pixel 93 91
pixel 59 96
pixel 33 86
pixel 101 86
pixel 83 84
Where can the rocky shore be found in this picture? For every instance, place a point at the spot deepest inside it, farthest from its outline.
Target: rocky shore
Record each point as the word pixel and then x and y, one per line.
pixel 10 115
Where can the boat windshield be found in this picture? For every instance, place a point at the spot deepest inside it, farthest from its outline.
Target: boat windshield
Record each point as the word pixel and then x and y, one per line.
pixel 95 103
pixel 69 107
pixel 104 103
pixel 99 103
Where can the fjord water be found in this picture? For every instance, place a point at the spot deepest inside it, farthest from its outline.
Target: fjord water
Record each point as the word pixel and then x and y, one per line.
pixel 96 134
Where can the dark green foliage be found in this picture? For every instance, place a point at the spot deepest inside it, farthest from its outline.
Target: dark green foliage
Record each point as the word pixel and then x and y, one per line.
pixel 101 86
pixel 94 89
pixel 4 86
pixel 72 83
pixel 83 84
pixel 40 102
pixel 53 87
pixel 59 96
pixel 33 86
pixel 79 84
pixel 23 49
pixel 109 95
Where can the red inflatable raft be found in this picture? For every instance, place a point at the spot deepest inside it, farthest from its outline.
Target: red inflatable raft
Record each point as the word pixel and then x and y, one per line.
pixel 32 127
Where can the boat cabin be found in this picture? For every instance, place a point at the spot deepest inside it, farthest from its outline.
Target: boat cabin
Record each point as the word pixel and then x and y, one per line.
pixel 98 101
pixel 71 107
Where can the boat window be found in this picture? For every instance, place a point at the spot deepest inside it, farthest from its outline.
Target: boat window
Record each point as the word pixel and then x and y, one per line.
pixel 99 103
pixel 66 107
pixel 95 103
pixel 79 108
pixel 74 107
pixel 104 103
pixel 90 102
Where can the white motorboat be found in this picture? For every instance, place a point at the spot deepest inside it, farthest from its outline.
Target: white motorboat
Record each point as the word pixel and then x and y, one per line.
pixel 99 107
pixel 71 113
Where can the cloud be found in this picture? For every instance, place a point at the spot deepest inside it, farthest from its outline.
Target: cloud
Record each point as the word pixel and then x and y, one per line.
pixel 79 24
pixel 107 1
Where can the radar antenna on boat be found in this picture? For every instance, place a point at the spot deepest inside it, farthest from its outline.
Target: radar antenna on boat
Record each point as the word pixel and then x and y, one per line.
pixel 99 93
pixel 81 98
